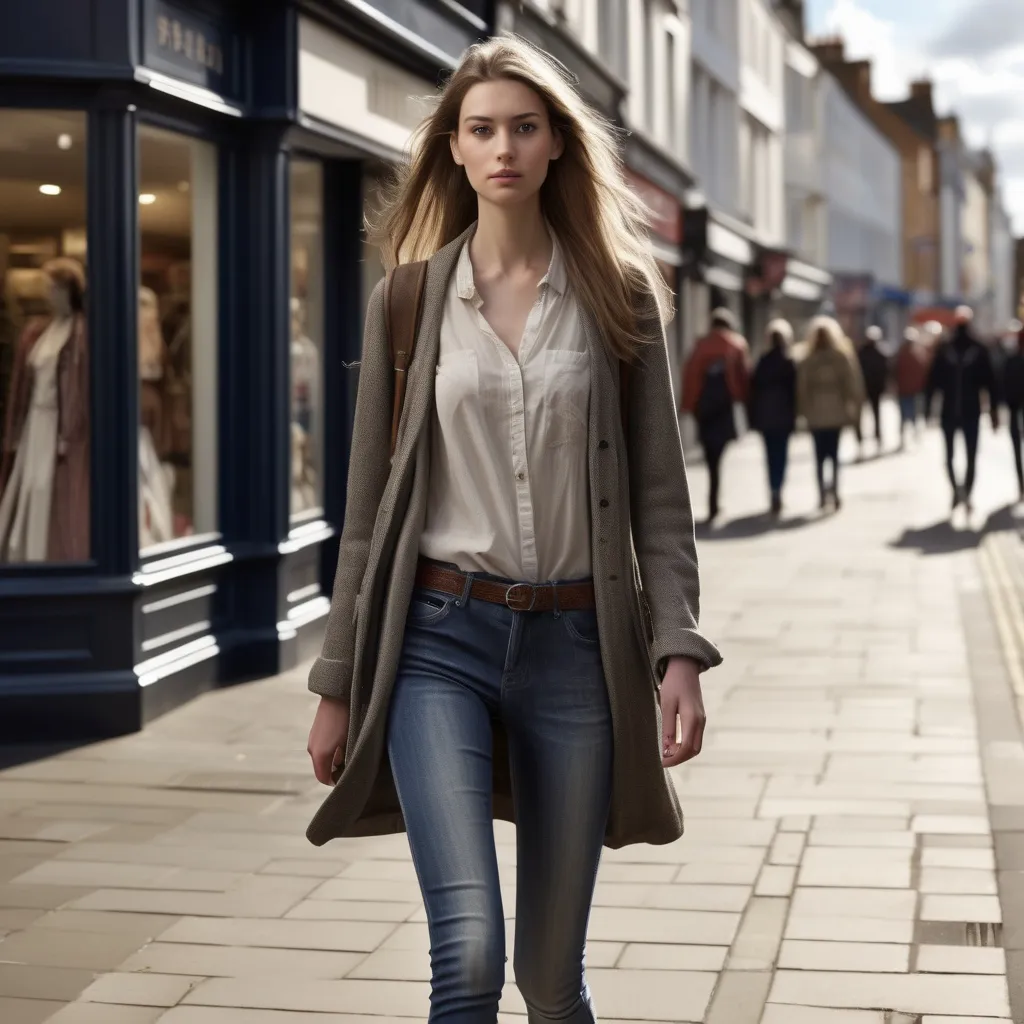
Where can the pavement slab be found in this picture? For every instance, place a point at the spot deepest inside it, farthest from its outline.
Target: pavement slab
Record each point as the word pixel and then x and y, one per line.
pixel 855 824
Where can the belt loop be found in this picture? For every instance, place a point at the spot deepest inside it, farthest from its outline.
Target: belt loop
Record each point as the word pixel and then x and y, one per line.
pixel 554 600
pixel 467 587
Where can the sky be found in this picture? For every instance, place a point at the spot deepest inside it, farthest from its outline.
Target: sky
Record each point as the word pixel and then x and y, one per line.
pixel 972 49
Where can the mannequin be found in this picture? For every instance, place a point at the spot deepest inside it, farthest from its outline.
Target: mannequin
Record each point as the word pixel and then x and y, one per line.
pixel 305 369
pixel 44 468
pixel 156 477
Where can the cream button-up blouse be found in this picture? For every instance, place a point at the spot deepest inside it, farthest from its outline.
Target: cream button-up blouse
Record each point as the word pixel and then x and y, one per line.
pixel 508 474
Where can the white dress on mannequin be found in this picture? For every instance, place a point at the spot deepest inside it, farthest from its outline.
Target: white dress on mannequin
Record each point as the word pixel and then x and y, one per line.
pixel 25 506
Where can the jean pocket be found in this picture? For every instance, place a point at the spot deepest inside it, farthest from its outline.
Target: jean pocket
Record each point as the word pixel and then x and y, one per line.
pixel 582 626
pixel 429 607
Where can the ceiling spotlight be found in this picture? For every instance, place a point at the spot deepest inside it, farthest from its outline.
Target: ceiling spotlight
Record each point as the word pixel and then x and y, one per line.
pixel 50 190
pixel 64 141
pixel 147 199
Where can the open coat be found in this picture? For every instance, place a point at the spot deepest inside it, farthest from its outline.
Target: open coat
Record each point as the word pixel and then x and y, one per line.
pixel 638 501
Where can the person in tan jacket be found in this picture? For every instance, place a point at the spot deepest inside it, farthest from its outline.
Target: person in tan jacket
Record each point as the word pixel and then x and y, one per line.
pixel 830 393
pixel 514 625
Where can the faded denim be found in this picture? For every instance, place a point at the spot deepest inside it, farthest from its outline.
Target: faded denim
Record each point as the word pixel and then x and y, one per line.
pixel 464 663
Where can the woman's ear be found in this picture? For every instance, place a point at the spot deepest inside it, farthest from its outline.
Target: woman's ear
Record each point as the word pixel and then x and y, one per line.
pixel 453 141
pixel 557 143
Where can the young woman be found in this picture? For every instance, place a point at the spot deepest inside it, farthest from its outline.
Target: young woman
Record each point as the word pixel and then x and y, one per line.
pixel 772 405
pixel 490 652
pixel 830 393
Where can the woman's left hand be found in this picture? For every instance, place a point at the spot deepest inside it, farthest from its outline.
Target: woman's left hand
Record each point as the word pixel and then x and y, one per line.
pixel 681 701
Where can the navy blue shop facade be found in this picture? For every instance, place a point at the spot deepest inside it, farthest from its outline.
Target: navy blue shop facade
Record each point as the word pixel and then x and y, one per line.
pixel 183 276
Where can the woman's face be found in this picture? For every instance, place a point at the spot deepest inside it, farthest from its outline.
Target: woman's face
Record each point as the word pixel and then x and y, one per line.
pixel 505 141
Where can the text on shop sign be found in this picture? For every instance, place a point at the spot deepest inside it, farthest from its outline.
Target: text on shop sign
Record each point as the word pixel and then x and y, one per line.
pixel 174 37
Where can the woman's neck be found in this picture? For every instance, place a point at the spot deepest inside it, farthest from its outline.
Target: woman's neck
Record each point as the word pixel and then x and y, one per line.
pixel 510 239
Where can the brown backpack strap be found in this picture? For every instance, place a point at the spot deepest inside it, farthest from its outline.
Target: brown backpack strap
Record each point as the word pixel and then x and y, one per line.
pixel 403 304
pixel 624 396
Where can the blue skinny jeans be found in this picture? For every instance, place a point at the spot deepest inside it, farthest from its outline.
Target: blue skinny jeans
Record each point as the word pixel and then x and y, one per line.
pixel 465 663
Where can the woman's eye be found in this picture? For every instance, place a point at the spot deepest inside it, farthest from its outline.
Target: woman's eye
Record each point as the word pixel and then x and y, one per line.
pixel 480 129
pixel 528 128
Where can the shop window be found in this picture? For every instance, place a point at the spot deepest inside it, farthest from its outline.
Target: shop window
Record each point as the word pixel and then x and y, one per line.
pixel 177 338
pixel 44 343
pixel 307 334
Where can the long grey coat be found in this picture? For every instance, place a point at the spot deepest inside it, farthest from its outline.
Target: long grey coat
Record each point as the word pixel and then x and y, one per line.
pixel 636 482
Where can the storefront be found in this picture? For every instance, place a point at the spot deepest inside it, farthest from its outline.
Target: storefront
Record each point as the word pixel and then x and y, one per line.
pixel 718 256
pixel 183 275
pixel 803 294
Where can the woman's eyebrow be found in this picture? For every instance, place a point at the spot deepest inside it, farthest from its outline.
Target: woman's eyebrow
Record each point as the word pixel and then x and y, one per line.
pixel 517 117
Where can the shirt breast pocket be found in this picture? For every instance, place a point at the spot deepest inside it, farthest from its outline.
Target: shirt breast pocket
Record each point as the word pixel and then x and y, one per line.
pixel 566 397
pixel 457 385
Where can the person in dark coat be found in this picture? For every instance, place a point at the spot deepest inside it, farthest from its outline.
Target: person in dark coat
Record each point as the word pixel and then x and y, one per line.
pixel 772 405
pixel 1013 396
pixel 874 368
pixel 960 372
pixel 716 377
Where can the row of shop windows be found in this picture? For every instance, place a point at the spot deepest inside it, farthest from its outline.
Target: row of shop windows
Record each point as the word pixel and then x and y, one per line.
pixel 44 344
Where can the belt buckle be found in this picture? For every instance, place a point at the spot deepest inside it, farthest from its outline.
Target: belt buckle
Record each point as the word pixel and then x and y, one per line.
pixel 509 599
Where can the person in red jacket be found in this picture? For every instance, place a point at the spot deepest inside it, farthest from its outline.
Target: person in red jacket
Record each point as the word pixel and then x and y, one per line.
pixel 715 379
pixel 911 380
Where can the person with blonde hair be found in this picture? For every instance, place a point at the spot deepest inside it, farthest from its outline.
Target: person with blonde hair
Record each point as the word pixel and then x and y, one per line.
pixel 830 394
pixel 772 405
pixel 517 589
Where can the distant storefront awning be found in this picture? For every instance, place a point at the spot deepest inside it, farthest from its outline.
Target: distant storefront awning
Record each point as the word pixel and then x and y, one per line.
pixel 896 296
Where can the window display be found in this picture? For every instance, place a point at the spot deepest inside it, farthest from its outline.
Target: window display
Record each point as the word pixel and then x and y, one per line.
pixel 44 346
pixel 177 337
pixel 306 337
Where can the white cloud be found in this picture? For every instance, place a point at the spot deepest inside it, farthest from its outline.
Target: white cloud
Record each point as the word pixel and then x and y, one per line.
pixel 987 97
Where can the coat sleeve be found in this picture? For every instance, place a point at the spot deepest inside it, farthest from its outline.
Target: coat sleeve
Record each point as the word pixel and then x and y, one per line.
pixel 662 519
pixel 369 467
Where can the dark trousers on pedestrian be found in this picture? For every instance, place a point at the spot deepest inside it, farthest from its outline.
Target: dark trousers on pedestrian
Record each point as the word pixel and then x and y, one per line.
pixel 970 430
pixel 776 449
pixel 713 452
pixel 875 402
pixel 909 405
pixel 1016 436
pixel 826 449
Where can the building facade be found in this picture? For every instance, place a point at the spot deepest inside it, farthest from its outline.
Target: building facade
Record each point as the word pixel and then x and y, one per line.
pixel 189 179
pixel 863 202
pixel 921 221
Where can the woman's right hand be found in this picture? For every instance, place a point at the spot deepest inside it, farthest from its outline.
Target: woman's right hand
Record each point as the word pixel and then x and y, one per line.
pixel 327 738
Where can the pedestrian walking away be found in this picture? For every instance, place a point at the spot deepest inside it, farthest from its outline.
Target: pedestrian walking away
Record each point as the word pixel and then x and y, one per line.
pixel 830 394
pixel 874 368
pixel 1013 395
pixel 517 587
pixel 911 374
pixel 772 405
pixel 715 379
pixel 960 372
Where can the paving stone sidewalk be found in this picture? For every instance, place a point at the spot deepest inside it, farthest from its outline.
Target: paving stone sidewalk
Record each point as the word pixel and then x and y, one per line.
pixel 839 865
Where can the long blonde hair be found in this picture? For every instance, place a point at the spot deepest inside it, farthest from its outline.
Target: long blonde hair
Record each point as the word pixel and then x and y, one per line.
pixel 601 224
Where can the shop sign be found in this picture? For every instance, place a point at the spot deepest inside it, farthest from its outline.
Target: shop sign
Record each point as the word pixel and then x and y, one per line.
pixel 666 210
pixel 769 273
pixel 187 46
pixel 852 292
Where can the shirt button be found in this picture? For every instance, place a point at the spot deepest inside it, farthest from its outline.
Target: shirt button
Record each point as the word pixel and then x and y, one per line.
pixel 604 503
pixel 520 475
pixel 603 445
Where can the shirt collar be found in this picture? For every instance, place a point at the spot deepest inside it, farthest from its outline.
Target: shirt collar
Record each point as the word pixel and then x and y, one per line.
pixel 555 278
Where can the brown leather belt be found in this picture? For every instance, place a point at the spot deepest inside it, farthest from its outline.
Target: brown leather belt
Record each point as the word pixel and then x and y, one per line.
pixel 520 597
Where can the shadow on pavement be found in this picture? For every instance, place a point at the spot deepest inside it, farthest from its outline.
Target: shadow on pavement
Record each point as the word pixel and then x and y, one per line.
pixel 12 755
pixel 751 526
pixel 944 538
